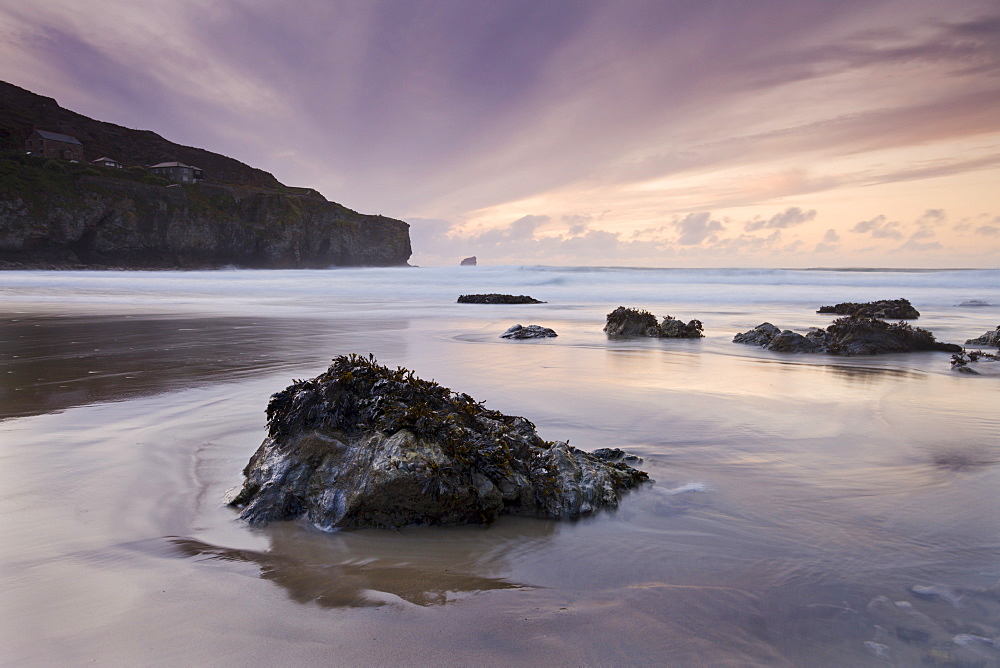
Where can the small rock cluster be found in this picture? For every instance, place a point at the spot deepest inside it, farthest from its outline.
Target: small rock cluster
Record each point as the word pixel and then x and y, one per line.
pixel 494 298
pixel 853 335
pixel 884 309
pixel 636 322
pixel 960 362
pixel 529 332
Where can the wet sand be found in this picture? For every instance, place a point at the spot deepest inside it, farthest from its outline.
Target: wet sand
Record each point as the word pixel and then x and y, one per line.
pixel 806 511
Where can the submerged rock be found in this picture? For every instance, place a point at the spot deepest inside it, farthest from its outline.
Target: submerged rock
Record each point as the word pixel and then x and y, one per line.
pixel 494 298
pixel 365 446
pixel 761 335
pixel 960 362
pixel 973 303
pixel 987 339
pixel 637 322
pixel 884 309
pixel 768 336
pixel 616 455
pixel 529 332
pixel 848 336
pixel 788 341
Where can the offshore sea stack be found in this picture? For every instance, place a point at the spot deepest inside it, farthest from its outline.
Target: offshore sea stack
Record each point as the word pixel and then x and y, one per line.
pixel 853 335
pixel 365 446
pixel 637 322
pixel 884 309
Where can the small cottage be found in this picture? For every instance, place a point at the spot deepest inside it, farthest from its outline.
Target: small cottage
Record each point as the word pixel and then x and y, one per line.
pixel 178 171
pixel 107 162
pixel 54 145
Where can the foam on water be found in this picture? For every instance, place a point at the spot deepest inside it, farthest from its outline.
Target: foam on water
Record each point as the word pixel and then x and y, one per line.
pixel 567 285
pixel 685 488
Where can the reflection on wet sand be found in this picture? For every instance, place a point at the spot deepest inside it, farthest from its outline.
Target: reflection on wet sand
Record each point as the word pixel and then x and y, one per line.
pixel 53 362
pixel 426 567
pixel 866 375
pixel 349 584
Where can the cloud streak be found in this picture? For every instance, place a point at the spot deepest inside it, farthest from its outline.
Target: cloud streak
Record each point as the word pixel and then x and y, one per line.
pixel 626 116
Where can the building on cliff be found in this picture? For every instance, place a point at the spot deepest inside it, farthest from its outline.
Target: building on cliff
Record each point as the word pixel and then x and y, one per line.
pixel 105 161
pixel 54 145
pixel 178 171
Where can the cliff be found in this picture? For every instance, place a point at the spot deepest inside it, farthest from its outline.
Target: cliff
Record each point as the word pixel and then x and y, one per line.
pixel 51 215
pixel 57 214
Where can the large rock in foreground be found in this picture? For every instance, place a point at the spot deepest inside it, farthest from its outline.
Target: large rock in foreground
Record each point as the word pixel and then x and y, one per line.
pixel 637 322
pixel 365 446
pixel 847 336
pixel 885 309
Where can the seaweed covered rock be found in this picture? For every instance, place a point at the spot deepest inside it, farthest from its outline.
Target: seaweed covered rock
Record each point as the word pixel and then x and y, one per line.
pixel 631 322
pixel 637 322
pixel 987 339
pixel 768 336
pixel 788 341
pixel 871 336
pixel 761 335
pixel 529 332
pixel 494 298
pixel 365 446
pixel 672 328
pixel 884 309
pixel 848 336
pixel 961 361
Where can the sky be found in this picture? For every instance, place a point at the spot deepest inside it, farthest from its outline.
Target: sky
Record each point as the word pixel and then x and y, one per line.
pixel 670 133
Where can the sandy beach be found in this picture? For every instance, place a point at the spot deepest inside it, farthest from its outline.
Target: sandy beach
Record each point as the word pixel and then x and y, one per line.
pixel 806 510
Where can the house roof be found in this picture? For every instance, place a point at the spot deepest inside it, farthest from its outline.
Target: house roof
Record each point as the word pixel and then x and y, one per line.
pixel 172 164
pixel 55 136
pixel 106 159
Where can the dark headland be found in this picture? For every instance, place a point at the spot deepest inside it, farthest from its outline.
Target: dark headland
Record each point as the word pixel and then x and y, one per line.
pixel 160 204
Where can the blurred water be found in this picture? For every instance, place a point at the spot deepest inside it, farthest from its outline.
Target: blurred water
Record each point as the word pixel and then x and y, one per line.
pixel 806 511
pixel 574 285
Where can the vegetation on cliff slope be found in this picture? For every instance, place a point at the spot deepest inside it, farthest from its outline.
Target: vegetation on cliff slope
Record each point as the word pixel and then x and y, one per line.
pixel 55 213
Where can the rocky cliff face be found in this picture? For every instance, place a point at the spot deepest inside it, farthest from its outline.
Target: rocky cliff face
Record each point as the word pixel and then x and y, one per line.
pixel 88 220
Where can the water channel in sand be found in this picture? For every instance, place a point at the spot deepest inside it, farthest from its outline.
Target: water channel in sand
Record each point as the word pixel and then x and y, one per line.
pixel 806 510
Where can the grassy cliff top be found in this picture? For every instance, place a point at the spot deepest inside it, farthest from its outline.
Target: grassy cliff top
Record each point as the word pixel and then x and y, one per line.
pixel 22 111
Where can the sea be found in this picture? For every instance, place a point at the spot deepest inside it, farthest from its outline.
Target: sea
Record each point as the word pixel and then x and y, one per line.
pixel 805 510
